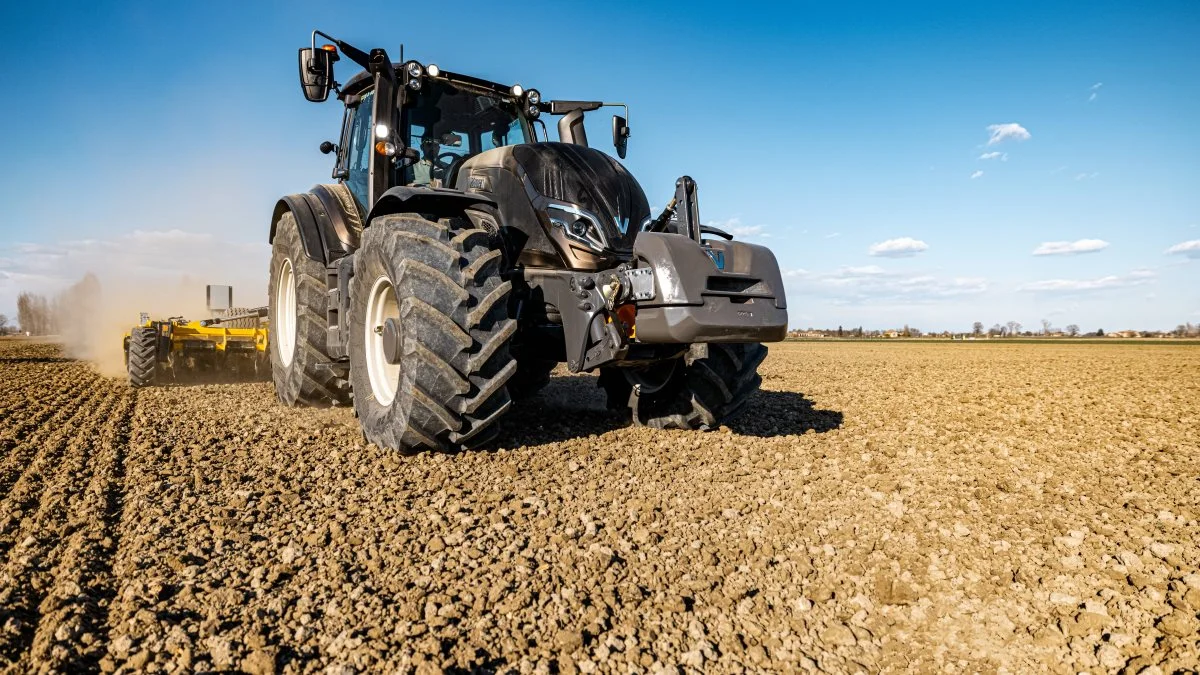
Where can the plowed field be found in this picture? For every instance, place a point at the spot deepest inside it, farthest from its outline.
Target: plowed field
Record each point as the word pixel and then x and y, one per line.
pixel 877 507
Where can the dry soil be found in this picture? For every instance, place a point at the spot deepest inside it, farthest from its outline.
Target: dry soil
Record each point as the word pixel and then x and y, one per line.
pixel 877 507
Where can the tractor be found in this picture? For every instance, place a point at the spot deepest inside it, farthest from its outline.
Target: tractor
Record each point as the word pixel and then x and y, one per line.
pixel 457 258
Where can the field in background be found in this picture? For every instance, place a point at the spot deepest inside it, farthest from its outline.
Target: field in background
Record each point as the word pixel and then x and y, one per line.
pixel 880 505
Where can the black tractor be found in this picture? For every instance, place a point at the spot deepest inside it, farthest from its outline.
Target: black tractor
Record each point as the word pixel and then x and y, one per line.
pixel 458 259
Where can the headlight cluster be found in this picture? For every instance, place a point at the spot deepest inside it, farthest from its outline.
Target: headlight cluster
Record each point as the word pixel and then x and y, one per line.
pixel 533 97
pixel 528 99
pixel 579 226
pixel 415 71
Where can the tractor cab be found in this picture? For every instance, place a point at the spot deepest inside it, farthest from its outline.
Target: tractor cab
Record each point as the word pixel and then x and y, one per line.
pixel 443 121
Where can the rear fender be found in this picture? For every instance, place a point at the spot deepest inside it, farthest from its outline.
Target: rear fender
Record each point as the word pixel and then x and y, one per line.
pixel 311 237
pixel 329 221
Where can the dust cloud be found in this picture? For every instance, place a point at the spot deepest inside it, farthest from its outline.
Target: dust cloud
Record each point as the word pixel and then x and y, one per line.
pixel 95 314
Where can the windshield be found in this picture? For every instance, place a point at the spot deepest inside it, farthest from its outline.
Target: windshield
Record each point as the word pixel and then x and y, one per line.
pixel 449 123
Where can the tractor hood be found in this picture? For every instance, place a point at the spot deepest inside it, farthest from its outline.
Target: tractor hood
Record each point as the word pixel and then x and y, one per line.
pixel 579 183
pixel 586 198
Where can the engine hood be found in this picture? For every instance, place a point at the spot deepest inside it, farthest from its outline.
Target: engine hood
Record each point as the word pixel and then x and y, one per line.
pixel 572 183
pixel 579 198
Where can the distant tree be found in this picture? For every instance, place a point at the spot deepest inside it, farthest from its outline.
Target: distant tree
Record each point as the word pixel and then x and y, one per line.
pixel 1014 328
pixel 3 323
pixel 1072 330
pixel 33 313
pixel 840 334
pixel 995 330
pixel 1046 327
pixel 977 328
pixel 1099 332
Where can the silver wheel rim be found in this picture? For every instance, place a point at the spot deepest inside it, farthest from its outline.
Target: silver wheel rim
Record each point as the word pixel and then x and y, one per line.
pixel 381 306
pixel 285 313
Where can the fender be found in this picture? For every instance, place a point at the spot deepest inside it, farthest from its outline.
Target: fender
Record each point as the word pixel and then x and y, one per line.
pixel 327 230
pixel 306 221
pixel 440 202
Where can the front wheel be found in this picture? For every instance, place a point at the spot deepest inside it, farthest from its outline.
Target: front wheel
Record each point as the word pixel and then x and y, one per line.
pixel 429 334
pixel 694 392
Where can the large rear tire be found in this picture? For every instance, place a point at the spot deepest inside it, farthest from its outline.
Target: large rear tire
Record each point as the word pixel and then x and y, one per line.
pixel 141 359
pixel 440 282
pixel 692 392
pixel 297 303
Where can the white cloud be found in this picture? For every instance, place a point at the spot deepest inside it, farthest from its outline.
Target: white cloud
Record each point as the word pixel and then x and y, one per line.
pixel 873 284
pixel 1092 97
pixel 1004 132
pixel 833 235
pixel 1095 89
pixel 1134 278
pixel 735 227
pixel 1097 86
pixel 1086 176
pixel 976 174
pixel 1070 247
pixel 904 247
pixel 1190 249
pixel 1002 156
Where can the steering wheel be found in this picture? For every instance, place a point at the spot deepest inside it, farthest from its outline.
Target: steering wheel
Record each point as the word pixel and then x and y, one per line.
pixel 445 164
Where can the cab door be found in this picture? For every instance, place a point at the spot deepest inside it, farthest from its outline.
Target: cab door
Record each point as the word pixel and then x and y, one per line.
pixel 357 146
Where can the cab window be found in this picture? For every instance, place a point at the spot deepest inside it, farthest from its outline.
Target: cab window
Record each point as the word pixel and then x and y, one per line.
pixel 358 150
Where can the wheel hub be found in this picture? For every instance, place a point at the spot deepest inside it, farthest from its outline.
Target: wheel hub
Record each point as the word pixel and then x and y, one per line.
pixel 284 333
pixel 383 341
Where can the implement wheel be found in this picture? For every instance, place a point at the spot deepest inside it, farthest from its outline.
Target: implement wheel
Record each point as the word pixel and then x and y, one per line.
pixel 429 334
pixel 297 299
pixel 244 322
pixel 141 358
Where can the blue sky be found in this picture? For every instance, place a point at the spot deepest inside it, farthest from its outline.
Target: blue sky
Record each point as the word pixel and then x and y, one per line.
pixel 148 141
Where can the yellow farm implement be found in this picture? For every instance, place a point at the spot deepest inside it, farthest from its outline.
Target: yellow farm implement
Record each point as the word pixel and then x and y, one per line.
pixel 229 347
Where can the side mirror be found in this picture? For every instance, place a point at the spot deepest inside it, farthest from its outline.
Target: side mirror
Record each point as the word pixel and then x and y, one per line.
pixel 620 131
pixel 316 73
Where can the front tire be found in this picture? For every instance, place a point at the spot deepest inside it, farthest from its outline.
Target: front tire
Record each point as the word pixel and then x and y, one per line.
pixel 692 392
pixel 440 282
pixel 296 293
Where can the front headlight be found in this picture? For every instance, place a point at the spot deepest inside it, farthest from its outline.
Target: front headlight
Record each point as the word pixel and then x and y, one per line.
pixel 534 97
pixel 578 225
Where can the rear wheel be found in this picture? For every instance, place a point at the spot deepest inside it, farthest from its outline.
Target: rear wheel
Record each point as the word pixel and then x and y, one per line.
pixel 429 334
pixel 694 392
pixel 297 299
pixel 141 358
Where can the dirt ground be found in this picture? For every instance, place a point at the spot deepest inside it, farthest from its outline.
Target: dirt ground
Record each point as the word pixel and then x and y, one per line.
pixel 878 507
